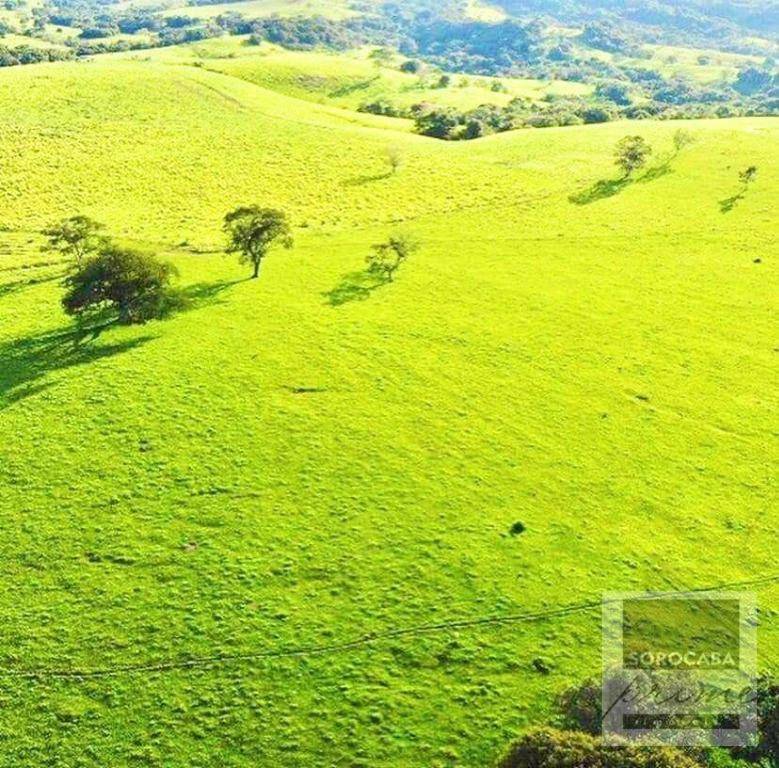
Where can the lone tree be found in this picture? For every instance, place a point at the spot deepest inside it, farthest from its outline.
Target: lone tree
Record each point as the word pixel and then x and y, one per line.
pixel 682 139
pixel 252 231
pixel 135 285
pixel 632 153
pixel 748 176
pixel 75 238
pixel 386 258
pixel 395 159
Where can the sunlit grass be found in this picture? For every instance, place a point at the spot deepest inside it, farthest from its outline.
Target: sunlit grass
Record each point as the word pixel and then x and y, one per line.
pixel 273 469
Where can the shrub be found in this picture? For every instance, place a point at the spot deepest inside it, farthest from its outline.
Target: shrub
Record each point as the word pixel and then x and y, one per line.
pixel 617 92
pixel 439 123
pixel 382 107
pixel 581 708
pixel 596 114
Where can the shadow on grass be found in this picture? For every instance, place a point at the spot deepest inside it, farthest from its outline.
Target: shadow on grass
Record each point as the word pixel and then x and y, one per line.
pixel 354 286
pixel 351 88
pixel 656 171
pixel 605 188
pixel 601 190
pixel 6 289
pixel 360 181
pixel 201 295
pixel 729 203
pixel 28 361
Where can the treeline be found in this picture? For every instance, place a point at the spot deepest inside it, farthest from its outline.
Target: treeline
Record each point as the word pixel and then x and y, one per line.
pixel 755 93
pixel 454 125
pixel 26 54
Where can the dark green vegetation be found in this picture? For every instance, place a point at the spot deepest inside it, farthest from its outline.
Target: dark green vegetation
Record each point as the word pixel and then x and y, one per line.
pixel 134 285
pixel 554 749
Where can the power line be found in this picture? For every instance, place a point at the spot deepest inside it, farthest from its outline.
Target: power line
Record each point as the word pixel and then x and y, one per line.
pixel 359 642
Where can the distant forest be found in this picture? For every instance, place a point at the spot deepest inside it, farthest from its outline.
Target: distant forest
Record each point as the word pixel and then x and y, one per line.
pixel 600 42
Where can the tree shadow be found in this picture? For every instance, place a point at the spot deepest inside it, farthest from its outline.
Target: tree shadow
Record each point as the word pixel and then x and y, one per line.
pixel 28 361
pixel 729 203
pixel 360 181
pixel 201 295
pixel 657 171
pixel 601 190
pixel 606 188
pixel 350 88
pixel 19 285
pixel 354 286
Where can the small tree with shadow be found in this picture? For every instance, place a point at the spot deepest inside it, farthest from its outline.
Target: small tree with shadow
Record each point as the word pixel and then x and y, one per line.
pixel 252 231
pixel 395 159
pixel 133 285
pixel 386 258
pixel 748 176
pixel 682 139
pixel 632 154
pixel 75 238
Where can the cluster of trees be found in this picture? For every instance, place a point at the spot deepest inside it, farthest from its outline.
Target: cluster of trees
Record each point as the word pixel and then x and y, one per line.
pixel 109 282
pixel 451 124
pixel 135 287
pixel 26 54
pixel 105 279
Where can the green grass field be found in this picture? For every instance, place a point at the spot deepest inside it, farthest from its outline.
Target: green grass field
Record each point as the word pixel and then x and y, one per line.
pixel 299 461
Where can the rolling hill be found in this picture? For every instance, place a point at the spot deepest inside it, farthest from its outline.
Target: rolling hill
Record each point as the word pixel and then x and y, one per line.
pixel 275 528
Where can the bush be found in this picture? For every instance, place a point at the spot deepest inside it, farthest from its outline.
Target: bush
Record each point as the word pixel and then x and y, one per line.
pixel 547 748
pixel 596 114
pixel 619 93
pixel 134 285
pixel 383 107
pixel 439 123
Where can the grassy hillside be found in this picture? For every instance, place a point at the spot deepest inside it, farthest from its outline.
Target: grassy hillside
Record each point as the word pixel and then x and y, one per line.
pixel 352 79
pixel 307 459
